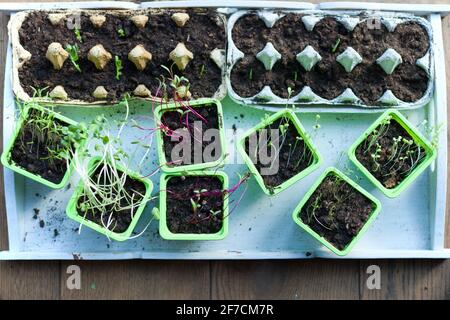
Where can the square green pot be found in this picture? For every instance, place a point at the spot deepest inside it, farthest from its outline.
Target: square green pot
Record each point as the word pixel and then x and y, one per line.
pixel 164 230
pixel 315 235
pixel 160 141
pixel 72 211
pixel 6 155
pixel 302 132
pixel 431 153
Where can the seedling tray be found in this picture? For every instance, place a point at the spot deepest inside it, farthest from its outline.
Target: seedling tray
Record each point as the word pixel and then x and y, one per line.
pixel 410 226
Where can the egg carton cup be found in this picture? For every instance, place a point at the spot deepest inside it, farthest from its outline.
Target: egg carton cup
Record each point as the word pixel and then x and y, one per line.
pixel 349 19
pixel 21 55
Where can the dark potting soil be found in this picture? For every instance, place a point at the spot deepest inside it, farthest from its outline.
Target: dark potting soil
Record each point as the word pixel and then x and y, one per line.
pixel 201 34
pixel 328 78
pixel 207 117
pixel 293 157
pixel 336 211
pixel 121 220
pixel 205 191
pixel 389 168
pixel 32 154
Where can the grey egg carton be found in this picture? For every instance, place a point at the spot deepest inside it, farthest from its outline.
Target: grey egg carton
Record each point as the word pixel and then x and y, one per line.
pixel 21 56
pixel 306 97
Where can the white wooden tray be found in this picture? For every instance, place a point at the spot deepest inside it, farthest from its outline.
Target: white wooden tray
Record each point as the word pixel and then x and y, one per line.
pixel 411 226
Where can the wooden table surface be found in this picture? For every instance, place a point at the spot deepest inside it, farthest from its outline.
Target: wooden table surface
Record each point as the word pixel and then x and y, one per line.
pixel 293 279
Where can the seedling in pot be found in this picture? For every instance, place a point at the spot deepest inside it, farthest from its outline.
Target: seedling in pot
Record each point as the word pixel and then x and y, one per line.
pixel 195 205
pixel 392 153
pixel 278 152
pixel 110 198
pixel 39 149
pixel 73 51
pixel 336 211
pixel 190 135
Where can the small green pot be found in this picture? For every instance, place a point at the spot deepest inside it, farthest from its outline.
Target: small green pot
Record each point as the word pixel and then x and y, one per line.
pixel 72 212
pixel 6 155
pixel 315 235
pixel 164 230
pixel 431 153
pixel 160 141
pixel 302 132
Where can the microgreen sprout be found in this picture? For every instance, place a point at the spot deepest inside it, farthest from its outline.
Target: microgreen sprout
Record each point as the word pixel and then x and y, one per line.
pixel 202 70
pixel 121 32
pixel 336 45
pixel 391 158
pixel 202 200
pixel 180 85
pixel 78 34
pixel 118 64
pixel 376 156
pixel 73 51
pixel 250 74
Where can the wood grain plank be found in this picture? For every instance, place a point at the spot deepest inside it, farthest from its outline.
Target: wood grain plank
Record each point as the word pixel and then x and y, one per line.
pixel 409 279
pixel 21 279
pixel 29 280
pixel 322 279
pixel 139 280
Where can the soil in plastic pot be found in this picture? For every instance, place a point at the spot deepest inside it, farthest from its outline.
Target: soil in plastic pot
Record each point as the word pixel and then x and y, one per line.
pixel 336 211
pixel 195 204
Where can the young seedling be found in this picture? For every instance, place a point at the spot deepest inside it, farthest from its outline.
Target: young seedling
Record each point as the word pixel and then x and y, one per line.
pixel 118 64
pixel 202 70
pixel 250 74
pixel 73 51
pixel 202 199
pixel 121 32
pixel 336 45
pixel 78 34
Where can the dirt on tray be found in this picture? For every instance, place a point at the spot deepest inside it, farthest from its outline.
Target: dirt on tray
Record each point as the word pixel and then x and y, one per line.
pixel 201 34
pixel 31 154
pixel 393 161
pixel 120 220
pixel 328 78
pixel 293 157
pixel 195 204
pixel 205 117
pixel 336 211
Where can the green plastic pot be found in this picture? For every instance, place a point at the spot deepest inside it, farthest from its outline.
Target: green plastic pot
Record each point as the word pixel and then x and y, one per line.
pixel 431 153
pixel 315 235
pixel 6 155
pixel 160 141
pixel 164 230
pixel 72 211
pixel 302 132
